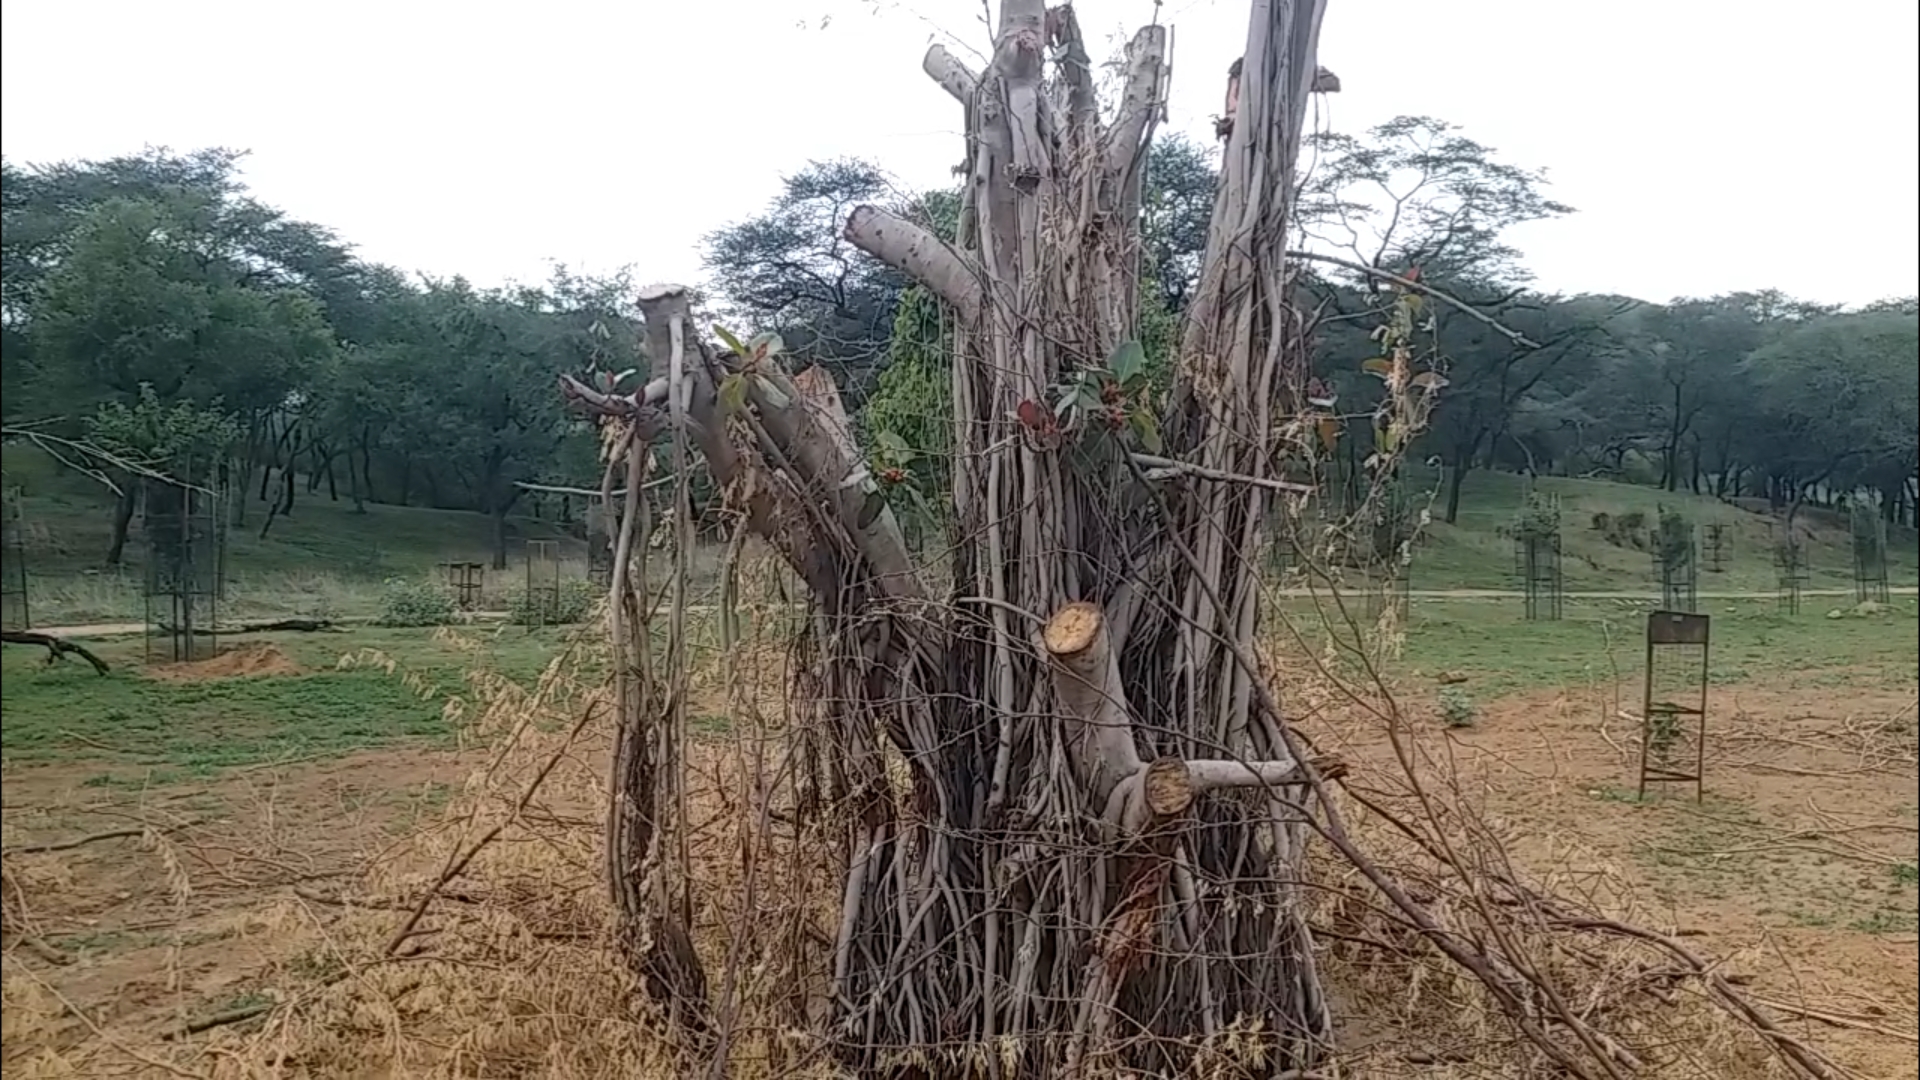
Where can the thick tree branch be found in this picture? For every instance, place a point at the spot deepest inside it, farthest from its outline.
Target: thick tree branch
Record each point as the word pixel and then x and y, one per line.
pixel 1017 69
pixel 916 253
pixel 56 647
pixel 814 432
pixel 1076 70
pixel 1086 681
pixel 954 76
pixel 1140 103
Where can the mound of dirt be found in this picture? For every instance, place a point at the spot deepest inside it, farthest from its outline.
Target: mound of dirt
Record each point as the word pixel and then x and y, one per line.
pixel 238 662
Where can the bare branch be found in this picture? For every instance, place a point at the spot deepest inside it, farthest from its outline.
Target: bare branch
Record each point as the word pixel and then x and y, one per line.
pixel 1459 305
pixel 59 448
pixel 591 493
pixel 1158 467
pixel 57 648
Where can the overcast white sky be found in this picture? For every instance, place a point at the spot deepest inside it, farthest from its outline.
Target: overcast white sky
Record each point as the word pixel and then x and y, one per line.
pixel 1708 145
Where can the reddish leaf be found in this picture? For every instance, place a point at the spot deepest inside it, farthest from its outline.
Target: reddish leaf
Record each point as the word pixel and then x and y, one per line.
pixel 1035 417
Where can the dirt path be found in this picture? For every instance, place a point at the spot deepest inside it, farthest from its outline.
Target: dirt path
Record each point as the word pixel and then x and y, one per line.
pixel 98 630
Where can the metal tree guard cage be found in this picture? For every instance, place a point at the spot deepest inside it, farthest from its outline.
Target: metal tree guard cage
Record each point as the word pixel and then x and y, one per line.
pixel 1674 700
pixel 1714 547
pixel 543 582
pixel 15 611
pixel 465 580
pixel 599 547
pixel 1676 562
pixel 1536 554
pixel 1280 540
pixel 185 569
pixel 1790 573
pixel 1869 553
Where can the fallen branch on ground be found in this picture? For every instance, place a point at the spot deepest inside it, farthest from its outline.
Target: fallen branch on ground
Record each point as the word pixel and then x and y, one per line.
pixel 274 626
pixel 221 1019
pixel 57 648
pixel 1836 1019
pixel 92 838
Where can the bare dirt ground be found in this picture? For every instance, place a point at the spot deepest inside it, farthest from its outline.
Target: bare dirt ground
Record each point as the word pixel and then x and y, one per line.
pixel 139 915
pixel 1797 865
pixel 158 909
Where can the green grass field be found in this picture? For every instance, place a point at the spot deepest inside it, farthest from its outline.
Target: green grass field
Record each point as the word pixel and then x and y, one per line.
pixel 328 561
pixel 1477 552
pixel 132 721
pixel 136 725
pixel 1834 642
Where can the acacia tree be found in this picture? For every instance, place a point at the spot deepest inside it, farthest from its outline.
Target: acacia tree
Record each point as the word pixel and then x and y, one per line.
pixel 789 269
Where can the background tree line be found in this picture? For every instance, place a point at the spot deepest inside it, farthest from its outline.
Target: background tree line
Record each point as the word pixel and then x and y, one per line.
pixel 1743 395
pixel 153 308
pixel 149 304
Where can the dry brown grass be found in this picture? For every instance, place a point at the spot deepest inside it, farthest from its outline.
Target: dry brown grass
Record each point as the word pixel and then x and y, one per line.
pixel 510 970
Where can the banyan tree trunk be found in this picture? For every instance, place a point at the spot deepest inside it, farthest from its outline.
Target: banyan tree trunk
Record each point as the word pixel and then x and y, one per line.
pixel 1094 860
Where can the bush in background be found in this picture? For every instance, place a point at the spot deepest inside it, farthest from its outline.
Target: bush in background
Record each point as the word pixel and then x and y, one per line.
pixel 571 602
pixel 414 603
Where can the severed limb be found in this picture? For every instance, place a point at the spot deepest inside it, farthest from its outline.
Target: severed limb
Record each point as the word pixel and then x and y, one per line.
pixel 916 253
pixel 1086 681
pixel 57 648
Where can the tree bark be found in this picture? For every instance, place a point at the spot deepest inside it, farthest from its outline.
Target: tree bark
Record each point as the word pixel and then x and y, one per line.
pixel 123 508
pixel 1048 225
pixel 1456 476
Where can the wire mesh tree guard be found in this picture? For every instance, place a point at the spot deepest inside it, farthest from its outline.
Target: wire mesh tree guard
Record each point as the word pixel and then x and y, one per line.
pixel 1714 547
pixel 1673 703
pixel 15 610
pixel 185 527
pixel 1536 549
pixel 1676 562
pixel 543 582
pixel 466 581
pixel 1790 571
pixel 1869 531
